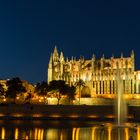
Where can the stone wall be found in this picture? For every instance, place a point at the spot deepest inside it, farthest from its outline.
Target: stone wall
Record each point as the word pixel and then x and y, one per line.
pixel 92 101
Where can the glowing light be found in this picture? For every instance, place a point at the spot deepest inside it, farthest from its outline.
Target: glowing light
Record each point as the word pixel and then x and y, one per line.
pixel 109 133
pixel 42 133
pixel 16 134
pixel 26 137
pixel 123 77
pixel 42 98
pixel 126 133
pixel 73 133
pixel 52 134
pixel 84 78
pixel 30 134
pixel 37 97
pixel 74 101
pixel 109 116
pixel 36 133
pixel 77 133
pixel 110 96
pixel 37 115
pixel 127 96
pixel 61 136
pixel 1 115
pixel 138 76
pixel 3 134
pixel 39 132
pixel 138 133
pixel 137 96
pixel 55 116
pixel 93 133
pixel 74 116
pixel 17 115
pixel 93 116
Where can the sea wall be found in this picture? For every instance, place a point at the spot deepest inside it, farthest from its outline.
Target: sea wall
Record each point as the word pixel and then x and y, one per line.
pixel 62 111
pixel 55 111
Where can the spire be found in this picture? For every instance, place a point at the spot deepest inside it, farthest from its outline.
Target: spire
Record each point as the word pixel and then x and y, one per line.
pixel 103 56
pixel 67 60
pixel 83 58
pixel 72 58
pixel 93 56
pixel 121 55
pixel 55 54
pixel 132 53
pixel 112 56
pixel 55 50
pixel 61 56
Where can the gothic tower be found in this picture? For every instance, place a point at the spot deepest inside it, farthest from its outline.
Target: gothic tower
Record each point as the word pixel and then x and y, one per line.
pixel 53 67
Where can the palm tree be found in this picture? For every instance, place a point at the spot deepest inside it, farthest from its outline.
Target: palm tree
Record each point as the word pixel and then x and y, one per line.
pixel 80 84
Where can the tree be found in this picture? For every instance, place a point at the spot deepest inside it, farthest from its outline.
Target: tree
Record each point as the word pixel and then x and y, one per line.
pixel 2 91
pixel 80 84
pixel 59 88
pixel 15 87
pixel 42 88
pixel 71 93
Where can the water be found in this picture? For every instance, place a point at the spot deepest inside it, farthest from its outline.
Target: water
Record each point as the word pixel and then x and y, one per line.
pixel 120 106
pixel 66 130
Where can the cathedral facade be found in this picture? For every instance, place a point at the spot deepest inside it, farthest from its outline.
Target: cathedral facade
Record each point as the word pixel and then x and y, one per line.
pixel 99 75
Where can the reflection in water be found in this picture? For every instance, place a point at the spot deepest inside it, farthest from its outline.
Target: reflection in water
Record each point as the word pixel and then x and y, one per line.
pixel 3 133
pixel 16 133
pixel 77 133
pixel 96 132
pixel 138 133
pixel 109 133
pixel 126 133
pixel 93 133
pixel 73 133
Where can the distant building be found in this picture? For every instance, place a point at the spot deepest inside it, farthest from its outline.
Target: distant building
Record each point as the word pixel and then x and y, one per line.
pixel 100 75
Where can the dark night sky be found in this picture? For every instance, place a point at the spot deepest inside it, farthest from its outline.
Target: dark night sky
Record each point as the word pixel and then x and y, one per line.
pixel 29 29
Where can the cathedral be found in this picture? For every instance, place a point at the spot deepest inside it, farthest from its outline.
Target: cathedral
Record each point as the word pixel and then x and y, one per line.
pixel 99 75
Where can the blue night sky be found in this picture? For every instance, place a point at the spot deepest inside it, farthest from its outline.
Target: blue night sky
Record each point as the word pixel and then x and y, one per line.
pixel 30 29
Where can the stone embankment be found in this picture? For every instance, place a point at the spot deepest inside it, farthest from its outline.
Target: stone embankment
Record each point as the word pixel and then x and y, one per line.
pixel 74 112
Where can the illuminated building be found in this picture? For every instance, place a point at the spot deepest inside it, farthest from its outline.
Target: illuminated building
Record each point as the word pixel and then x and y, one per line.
pixel 99 75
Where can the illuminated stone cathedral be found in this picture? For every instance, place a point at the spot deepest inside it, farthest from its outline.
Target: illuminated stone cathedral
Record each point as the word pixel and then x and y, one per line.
pixel 99 75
